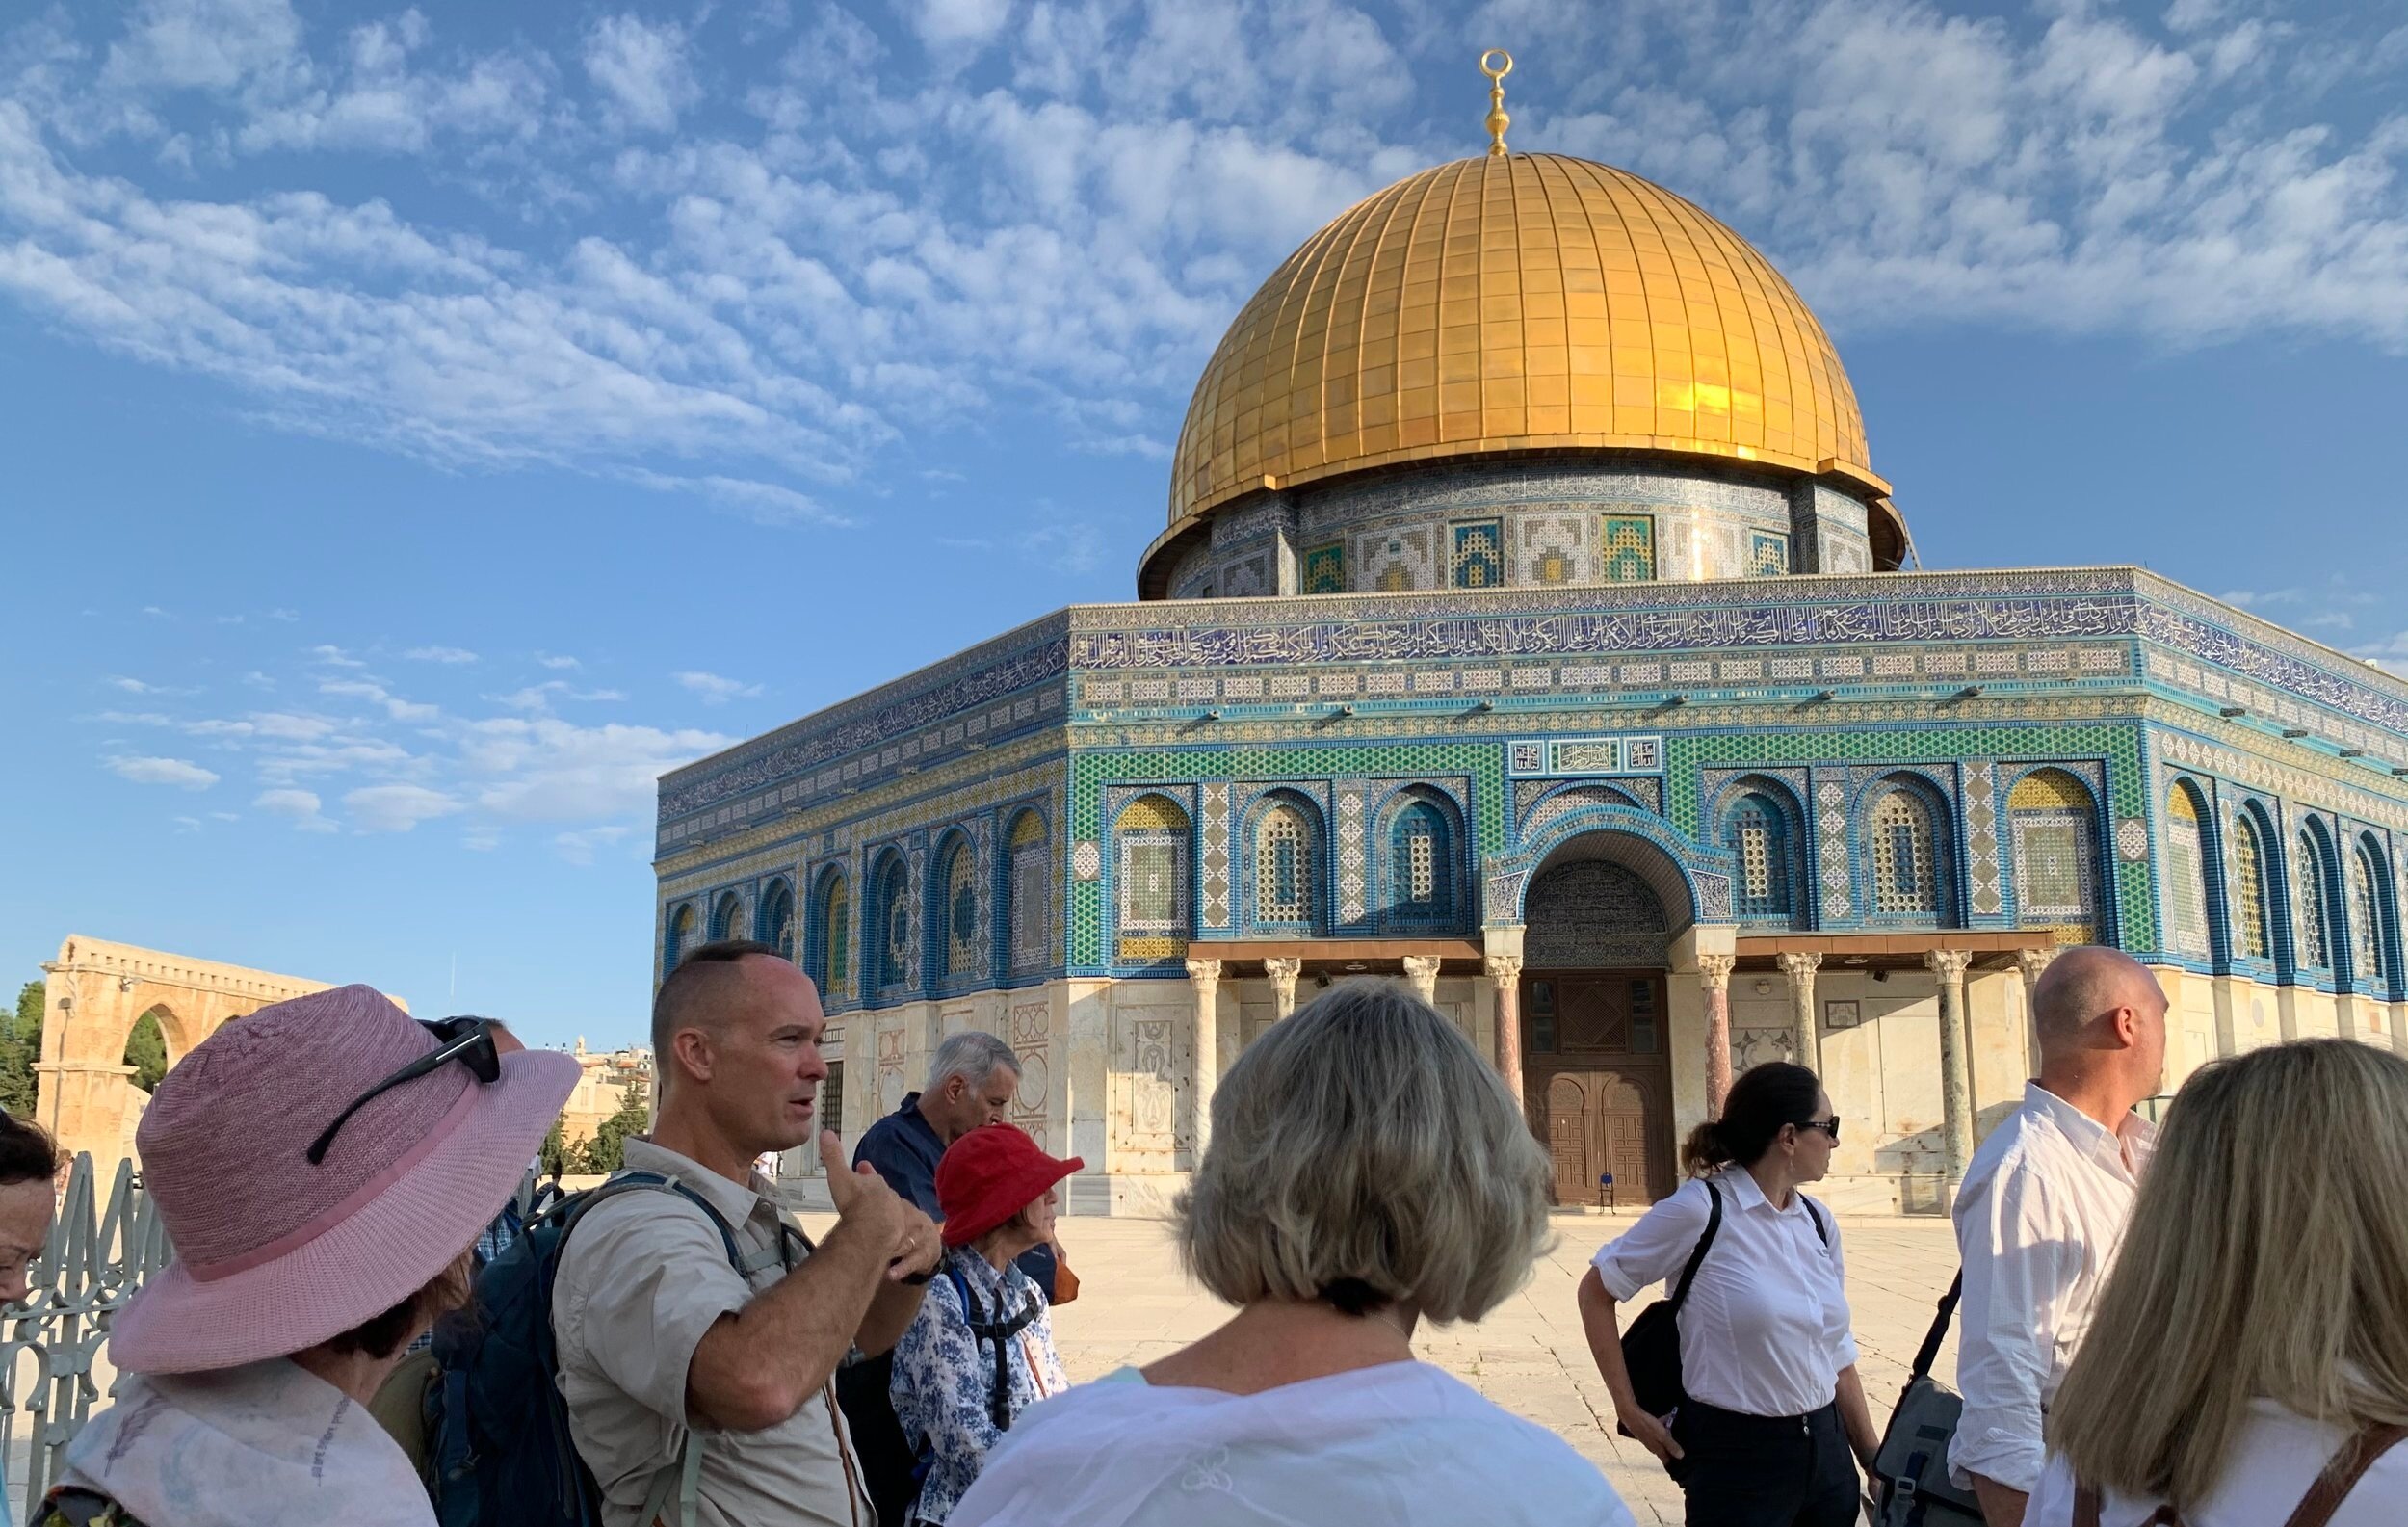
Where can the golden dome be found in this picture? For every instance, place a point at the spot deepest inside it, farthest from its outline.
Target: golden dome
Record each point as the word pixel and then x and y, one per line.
pixel 1516 302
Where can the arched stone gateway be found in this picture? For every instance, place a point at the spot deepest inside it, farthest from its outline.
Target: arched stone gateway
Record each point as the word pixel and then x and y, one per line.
pixel 95 993
pixel 1601 913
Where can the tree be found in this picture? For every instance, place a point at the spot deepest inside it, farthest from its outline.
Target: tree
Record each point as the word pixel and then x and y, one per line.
pixel 606 1151
pixel 20 1046
pixel 146 1051
pixel 554 1156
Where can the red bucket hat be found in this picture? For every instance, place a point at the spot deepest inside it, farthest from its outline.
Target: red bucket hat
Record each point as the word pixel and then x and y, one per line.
pixel 990 1175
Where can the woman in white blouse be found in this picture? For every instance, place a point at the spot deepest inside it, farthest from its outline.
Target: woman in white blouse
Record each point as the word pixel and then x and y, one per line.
pixel 2248 1363
pixel 1368 1172
pixel 1774 1408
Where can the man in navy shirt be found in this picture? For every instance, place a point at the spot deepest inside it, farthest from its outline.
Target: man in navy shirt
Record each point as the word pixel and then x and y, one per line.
pixel 971 1084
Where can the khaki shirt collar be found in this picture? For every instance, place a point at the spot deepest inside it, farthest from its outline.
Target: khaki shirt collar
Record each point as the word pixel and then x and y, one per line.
pixel 736 1201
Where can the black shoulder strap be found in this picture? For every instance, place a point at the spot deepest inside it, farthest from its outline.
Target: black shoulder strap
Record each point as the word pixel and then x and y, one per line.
pixel 1713 1223
pixel 1823 1231
pixel 575 1207
pixel 1929 1352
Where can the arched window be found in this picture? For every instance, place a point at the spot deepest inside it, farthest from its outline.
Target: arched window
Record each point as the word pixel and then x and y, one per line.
pixel 776 922
pixel 728 918
pixel 2185 875
pixel 1420 860
pixel 1152 875
pixel 1029 884
pixel 891 930
pixel 957 909
pixel 2309 943
pixel 2366 920
pixel 1906 857
pixel 831 936
pixel 1756 830
pixel 678 937
pixel 1283 867
pixel 2248 890
pixel 2056 863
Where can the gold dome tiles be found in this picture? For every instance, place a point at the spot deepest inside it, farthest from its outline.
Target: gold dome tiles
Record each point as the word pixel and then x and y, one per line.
pixel 1502 303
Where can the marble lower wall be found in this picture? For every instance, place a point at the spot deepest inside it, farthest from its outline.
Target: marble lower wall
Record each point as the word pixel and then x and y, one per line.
pixel 1109 1066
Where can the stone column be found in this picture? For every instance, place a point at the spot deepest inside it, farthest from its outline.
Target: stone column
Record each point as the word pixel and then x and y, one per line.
pixel 2028 963
pixel 1205 975
pixel 1421 972
pixel 1506 971
pixel 1956 1083
pixel 1283 974
pixel 1714 979
pixel 1800 968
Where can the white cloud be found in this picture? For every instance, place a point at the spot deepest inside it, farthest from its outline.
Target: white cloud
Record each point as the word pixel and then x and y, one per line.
pixel 578 848
pixel 857 246
pixel 545 768
pixel 642 69
pixel 300 807
pixel 713 689
pixel 395 706
pixel 440 654
pixel 332 656
pixel 543 659
pixel 180 772
pixel 398 807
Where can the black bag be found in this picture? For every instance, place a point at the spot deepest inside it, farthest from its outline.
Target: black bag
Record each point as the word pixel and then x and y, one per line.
pixel 1651 1348
pixel 1911 1466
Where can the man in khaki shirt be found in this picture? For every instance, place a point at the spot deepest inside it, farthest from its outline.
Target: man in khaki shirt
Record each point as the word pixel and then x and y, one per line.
pixel 659 1335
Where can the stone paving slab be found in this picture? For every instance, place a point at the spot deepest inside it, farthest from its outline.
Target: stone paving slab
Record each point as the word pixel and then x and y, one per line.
pixel 1530 1355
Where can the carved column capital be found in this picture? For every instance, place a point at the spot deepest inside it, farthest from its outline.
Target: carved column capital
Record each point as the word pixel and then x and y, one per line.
pixel 1421 971
pixel 1283 974
pixel 2033 962
pixel 1948 964
pixel 1714 970
pixel 1502 969
pixel 1798 965
pixel 1204 972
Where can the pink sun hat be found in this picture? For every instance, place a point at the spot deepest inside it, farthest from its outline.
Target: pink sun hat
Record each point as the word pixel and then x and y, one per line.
pixel 274 1255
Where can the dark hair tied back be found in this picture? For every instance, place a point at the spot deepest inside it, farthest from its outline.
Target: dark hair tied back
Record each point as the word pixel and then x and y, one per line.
pixel 1763 1100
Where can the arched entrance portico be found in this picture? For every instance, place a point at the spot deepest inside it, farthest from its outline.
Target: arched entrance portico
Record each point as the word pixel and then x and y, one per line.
pixel 95 991
pixel 1600 917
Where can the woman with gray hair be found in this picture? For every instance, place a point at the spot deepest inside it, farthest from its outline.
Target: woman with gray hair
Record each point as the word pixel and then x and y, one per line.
pixel 1367 1171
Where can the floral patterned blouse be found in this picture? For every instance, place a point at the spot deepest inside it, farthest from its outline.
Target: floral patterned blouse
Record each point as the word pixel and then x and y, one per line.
pixel 943 1376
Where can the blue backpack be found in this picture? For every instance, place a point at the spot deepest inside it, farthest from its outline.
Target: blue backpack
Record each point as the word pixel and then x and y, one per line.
pixel 497 1426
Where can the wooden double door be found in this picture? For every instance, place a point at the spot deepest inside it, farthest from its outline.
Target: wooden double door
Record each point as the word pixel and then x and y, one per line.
pixel 1599 1080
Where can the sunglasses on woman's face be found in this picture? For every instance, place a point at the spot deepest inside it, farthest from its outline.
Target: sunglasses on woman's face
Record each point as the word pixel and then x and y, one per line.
pixel 468 1041
pixel 1829 1127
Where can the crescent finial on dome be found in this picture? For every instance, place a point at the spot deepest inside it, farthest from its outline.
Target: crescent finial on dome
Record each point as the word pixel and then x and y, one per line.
pixel 1498 120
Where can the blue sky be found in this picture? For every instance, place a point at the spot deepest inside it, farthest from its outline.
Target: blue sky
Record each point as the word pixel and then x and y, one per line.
pixel 425 424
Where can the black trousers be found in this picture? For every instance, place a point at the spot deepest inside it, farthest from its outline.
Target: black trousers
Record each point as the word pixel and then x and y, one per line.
pixel 1765 1472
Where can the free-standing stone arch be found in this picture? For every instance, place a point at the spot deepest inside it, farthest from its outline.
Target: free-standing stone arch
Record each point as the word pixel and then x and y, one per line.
pixel 94 991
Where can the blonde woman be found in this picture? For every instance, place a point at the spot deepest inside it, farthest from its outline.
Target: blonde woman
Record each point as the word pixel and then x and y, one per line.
pixel 1367 1171
pixel 2248 1366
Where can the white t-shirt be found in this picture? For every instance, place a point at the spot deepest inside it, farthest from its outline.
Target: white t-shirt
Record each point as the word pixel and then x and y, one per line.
pixel 2275 1459
pixel 1401 1444
pixel 1766 1329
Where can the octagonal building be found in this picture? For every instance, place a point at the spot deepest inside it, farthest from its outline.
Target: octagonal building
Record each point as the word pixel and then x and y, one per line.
pixel 1531 625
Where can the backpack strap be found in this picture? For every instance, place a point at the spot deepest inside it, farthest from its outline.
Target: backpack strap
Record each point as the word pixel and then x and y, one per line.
pixel 1929 1352
pixel 684 1479
pixel 999 1330
pixel 1823 1231
pixel 2325 1497
pixel 1688 1273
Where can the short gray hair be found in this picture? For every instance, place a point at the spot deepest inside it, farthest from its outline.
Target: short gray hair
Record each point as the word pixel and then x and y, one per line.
pixel 972 1056
pixel 1363 1140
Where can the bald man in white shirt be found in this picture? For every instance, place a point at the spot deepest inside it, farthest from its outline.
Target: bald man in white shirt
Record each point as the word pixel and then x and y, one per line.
pixel 2041 1212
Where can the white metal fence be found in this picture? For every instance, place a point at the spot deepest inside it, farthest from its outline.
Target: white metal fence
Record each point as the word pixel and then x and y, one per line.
pixel 52 1376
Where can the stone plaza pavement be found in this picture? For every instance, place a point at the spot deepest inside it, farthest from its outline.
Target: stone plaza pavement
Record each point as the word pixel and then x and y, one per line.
pixel 1530 1356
